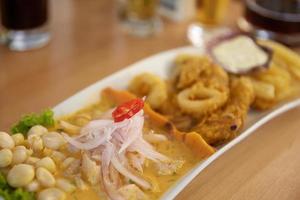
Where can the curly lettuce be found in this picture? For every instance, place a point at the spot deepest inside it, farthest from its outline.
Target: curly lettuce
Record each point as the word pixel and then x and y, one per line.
pixel 45 119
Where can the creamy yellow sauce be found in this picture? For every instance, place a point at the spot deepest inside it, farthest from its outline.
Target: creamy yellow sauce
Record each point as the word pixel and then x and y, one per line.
pixel 171 148
pixel 177 151
pixel 89 194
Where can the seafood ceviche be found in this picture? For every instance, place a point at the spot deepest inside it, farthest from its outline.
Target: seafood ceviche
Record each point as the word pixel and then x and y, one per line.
pixel 136 143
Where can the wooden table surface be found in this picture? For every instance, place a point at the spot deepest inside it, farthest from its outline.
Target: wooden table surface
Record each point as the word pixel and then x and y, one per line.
pixel 88 44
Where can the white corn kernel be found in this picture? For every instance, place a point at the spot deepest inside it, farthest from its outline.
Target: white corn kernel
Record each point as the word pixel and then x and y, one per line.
pixel 44 177
pixel 65 185
pixel 18 138
pixel 51 194
pixel 47 163
pixel 20 175
pixel 53 140
pixel 5 157
pixel 57 156
pixel 6 141
pixel 37 130
pixel 20 155
pixel 32 160
pixel 36 143
pixel 33 186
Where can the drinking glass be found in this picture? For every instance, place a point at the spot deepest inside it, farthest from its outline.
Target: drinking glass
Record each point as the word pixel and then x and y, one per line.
pixel 24 23
pixel 139 17
pixel 273 19
pixel 208 23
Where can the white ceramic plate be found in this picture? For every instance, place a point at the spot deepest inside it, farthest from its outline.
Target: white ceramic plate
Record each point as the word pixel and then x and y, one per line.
pixel 161 65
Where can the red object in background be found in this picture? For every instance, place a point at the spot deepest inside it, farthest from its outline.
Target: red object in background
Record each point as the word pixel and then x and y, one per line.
pixel 127 110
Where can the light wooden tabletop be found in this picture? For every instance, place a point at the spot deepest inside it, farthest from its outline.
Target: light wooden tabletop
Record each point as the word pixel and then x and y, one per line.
pixel 87 44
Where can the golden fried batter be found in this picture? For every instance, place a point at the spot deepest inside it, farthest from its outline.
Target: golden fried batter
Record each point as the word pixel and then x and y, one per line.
pixel 277 77
pixel 193 69
pixel 151 86
pixel 225 123
pixel 199 100
pixel 202 86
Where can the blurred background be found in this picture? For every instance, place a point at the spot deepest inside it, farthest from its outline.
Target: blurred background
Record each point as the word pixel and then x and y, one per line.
pixel 51 49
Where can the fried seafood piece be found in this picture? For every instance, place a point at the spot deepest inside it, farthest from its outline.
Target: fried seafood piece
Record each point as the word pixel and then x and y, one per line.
pixel 202 85
pixel 171 110
pixel 151 86
pixel 189 69
pixel 271 85
pixel 199 100
pixel 226 122
pixel 169 167
pixel 193 69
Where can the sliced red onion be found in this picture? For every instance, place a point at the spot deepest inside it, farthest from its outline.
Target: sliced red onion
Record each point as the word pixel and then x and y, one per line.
pixel 111 141
pixel 154 138
pixel 144 148
pixel 134 131
pixel 125 172
pixel 90 144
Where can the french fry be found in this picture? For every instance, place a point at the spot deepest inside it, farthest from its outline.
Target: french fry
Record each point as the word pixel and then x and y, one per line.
pixel 282 52
pixel 263 90
pixel 277 76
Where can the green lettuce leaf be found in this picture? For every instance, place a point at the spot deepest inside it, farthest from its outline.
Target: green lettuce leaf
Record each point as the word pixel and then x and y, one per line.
pixel 45 119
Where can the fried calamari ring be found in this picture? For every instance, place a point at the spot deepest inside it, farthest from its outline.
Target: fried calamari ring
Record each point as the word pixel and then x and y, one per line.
pixel 227 122
pixel 199 100
pixel 151 86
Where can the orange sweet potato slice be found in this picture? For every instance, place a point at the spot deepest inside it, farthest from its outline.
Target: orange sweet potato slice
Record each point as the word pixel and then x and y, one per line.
pixel 197 144
pixel 191 139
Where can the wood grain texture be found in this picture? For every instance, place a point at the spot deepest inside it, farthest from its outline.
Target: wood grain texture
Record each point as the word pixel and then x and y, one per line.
pixel 88 44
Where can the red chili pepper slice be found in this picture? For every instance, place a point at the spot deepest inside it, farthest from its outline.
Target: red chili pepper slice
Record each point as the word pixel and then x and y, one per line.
pixel 127 109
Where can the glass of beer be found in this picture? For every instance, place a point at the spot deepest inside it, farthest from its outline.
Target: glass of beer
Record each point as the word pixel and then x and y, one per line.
pixel 24 23
pixel 211 12
pixel 139 17
pixel 208 22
